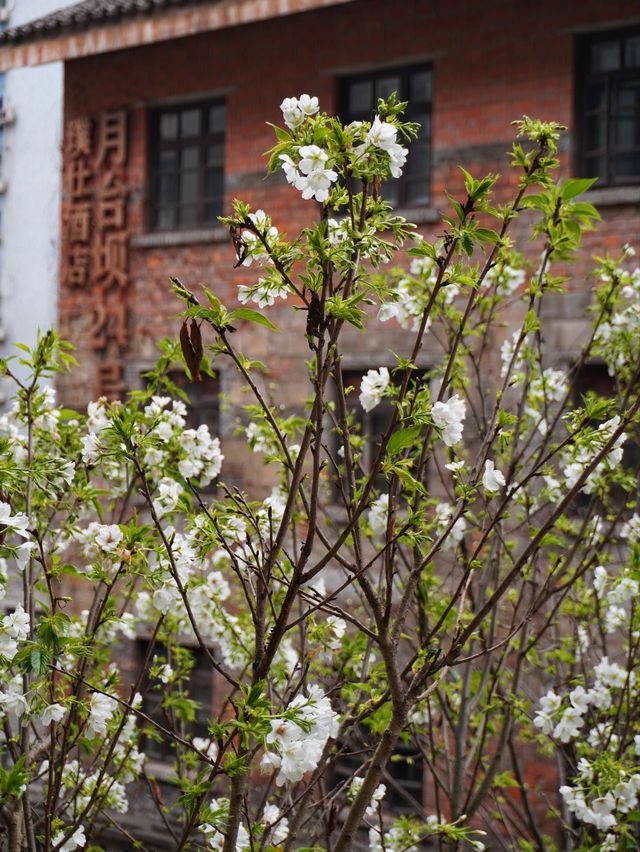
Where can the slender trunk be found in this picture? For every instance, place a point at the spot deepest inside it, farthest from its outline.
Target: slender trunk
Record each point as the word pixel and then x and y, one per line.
pixel 15 826
pixel 238 787
pixel 381 757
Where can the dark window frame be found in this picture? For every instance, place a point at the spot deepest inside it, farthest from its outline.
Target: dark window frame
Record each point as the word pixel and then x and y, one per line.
pixel 373 424
pixel 207 206
pixel 404 774
pixel 204 406
pixel 613 81
pixel 593 375
pixel 414 108
pixel 199 686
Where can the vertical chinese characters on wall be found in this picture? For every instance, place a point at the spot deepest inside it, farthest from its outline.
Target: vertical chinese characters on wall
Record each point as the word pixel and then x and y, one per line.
pixel 95 273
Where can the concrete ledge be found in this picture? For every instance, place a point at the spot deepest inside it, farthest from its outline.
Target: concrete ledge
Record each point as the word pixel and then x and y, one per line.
pixel 419 215
pixel 614 195
pixel 189 236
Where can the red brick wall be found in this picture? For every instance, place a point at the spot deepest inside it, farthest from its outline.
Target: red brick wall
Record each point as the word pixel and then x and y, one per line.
pixel 489 69
pixel 492 62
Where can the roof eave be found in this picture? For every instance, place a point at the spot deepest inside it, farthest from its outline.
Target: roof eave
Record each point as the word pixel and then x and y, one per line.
pixel 138 31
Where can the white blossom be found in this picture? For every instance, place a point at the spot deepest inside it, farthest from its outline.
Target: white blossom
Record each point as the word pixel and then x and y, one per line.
pixel 17 623
pixel 600 578
pixel 443 515
pixel 549 704
pixel 76 841
pixel 373 386
pixel 297 751
pixel 12 699
pixel 101 709
pixel 337 628
pixel 295 110
pixel 383 135
pixel 279 825
pixel 492 479
pixel 378 513
pixel 108 537
pixel 449 417
pixel 52 713
pixel 569 725
pixel 17 523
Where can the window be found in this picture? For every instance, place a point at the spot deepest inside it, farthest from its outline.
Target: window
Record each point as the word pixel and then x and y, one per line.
pixel 198 688
pixel 371 425
pixel 403 776
pixel 609 107
pixel 186 165
pixel 358 101
pixel 204 400
pixel 594 377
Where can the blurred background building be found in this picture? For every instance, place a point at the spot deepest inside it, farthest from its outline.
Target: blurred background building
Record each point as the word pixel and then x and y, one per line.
pixel 30 164
pixel 165 111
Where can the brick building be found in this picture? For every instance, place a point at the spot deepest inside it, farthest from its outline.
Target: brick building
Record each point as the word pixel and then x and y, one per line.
pixel 165 111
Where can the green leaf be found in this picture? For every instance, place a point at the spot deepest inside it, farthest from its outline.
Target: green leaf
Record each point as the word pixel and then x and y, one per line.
pixel 36 661
pixel 576 186
pixel 346 309
pixel 505 779
pixel 583 208
pixel 531 322
pixel 402 439
pixel 252 316
pixel 487 235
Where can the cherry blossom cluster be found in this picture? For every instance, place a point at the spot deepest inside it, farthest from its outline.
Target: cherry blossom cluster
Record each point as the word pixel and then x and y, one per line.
pixel 505 278
pixel 412 295
pixel 166 444
pixel 383 136
pixel 295 742
pixel 449 418
pixel 583 454
pixel 272 828
pixel 312 170
pixel 617 335
pixel 373 386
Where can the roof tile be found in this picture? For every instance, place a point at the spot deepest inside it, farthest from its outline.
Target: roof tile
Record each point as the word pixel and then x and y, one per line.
pixel 86 14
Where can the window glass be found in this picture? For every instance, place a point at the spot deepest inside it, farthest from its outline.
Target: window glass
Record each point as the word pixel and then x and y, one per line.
pixel 186 162
pixel 197 687
pixel 359 97
pixel 386 86
pixel 190 122
pixel 609 108
pixel 216 118
pixel 632 52
pixel 169 126
pixel 605 56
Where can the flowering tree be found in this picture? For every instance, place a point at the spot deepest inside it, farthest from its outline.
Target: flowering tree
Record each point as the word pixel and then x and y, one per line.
pixel 469 591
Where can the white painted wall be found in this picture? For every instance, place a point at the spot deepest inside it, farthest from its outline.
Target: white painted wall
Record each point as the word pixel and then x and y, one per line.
pixel 31 167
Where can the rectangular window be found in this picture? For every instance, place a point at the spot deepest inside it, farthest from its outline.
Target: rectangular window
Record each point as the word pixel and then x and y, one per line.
pixel 358 98
pixel 371 425
pixel 186 158
pixel 594 377
pixel 198 688
pixel 609 107
pixel 403 777
pixel 204 401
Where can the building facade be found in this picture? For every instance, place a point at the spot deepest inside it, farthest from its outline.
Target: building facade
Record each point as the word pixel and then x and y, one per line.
pixel 165 123
pixel 166 113
pixel 30 144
